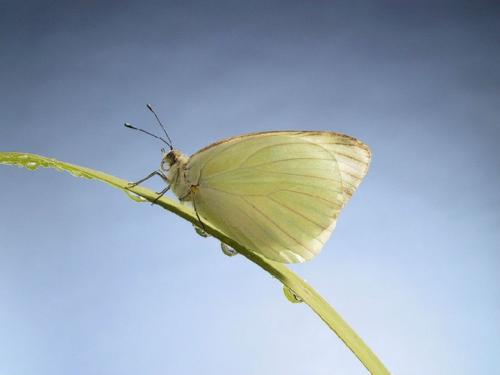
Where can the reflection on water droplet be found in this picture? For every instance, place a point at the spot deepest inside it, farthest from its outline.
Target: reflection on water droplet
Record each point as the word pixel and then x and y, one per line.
pixel 200 231
pixel 228 250
pixel 135 197
pixel 291 295
pixel 23 156
pixel 31 165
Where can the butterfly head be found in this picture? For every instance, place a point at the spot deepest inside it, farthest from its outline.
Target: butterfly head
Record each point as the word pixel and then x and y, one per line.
pixel 171 158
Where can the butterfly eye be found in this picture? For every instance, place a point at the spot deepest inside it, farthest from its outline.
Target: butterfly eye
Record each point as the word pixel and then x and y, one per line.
pixel 165 166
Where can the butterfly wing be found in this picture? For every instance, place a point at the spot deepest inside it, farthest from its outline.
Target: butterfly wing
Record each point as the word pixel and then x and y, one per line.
pixel 278 193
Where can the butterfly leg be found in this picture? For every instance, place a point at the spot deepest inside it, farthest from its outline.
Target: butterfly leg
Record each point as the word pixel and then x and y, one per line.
pixel 155 173
pixel 196 211
pixel 161 194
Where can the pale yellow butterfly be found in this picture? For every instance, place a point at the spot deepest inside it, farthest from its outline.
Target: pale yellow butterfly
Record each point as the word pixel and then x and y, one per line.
pixel 277 193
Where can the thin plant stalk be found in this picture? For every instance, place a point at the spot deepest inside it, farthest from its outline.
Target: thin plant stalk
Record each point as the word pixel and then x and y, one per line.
pixel 302 291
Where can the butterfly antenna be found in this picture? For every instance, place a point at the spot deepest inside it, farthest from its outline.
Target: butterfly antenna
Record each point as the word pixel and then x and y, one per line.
pixel 159 123
pixel 127 125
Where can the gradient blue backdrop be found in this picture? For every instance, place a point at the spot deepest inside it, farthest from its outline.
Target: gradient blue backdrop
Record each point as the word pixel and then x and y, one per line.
pixel 92 283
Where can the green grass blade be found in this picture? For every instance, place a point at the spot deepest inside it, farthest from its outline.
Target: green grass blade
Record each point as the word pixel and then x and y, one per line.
pixel 300 288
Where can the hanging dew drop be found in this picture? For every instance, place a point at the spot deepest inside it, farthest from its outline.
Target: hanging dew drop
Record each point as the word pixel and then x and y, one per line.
pixel 228 250
pixel 291 295
pixel 135 197
pixel 81 174
pixel 200 231
pixel 31 165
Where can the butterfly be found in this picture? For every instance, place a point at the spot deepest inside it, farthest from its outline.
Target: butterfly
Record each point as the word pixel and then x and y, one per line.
pixel 278 193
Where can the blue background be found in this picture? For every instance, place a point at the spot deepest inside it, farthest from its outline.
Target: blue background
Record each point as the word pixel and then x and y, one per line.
pixel 93 283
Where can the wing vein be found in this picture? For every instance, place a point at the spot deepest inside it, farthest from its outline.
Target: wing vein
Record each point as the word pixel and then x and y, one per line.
pixel 274 145
pixel 277 226
pixel 262 164
pixel 298 213
pixel 309 195
pixel 299 175
pixel 296 184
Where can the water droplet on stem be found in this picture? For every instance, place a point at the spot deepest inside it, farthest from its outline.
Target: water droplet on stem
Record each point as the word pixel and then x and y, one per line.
pixel 135 197
pixel 291 295
pixel 228 250
pixel 200 231
pixel 31 165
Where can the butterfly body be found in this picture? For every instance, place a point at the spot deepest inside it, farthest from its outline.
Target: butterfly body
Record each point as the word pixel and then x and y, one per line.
pixel 277 193
pixel 174 166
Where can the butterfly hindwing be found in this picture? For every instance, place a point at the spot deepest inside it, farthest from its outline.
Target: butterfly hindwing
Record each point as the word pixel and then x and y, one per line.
pixel 278 193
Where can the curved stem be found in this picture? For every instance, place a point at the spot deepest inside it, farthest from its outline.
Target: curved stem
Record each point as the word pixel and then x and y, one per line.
pixel 300 288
